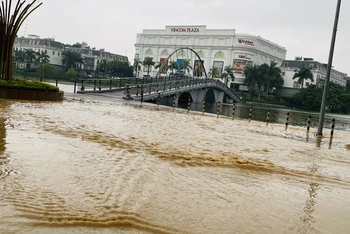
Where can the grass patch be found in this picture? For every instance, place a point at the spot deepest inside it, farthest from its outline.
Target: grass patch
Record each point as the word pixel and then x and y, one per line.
pixel 18 84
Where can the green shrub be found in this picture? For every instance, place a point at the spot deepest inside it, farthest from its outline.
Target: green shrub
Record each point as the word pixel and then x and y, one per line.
pixel 27 85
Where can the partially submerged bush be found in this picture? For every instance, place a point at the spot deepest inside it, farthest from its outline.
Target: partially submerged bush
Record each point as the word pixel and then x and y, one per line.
pixel 27 85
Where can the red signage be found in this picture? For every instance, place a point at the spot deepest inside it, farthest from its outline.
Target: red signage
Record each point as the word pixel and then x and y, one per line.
pixel 185 30
pixel 243 57
pixel 247 42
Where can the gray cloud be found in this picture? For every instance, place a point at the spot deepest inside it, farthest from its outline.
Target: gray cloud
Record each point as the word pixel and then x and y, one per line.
pixel 304 27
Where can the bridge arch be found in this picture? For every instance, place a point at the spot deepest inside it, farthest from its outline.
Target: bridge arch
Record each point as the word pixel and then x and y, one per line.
pixel 181 49
pixel 184 97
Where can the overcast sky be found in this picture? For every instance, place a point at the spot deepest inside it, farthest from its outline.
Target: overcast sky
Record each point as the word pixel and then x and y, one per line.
pixel 303 27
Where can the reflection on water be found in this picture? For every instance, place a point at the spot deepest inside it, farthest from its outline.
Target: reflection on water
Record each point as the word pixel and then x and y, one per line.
pixel 97 167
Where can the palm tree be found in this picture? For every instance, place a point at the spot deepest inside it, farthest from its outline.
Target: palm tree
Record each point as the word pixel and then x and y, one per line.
pixel 19 56
pixel 137 66
pixel 213 72
pixel 30 57
pixel 271 74
pixel 158 65
pixel 186 66
pixel 42 57
pixel 228 72
pixel 148 61
pixel 173 66
pixel 303 74
pixel 71 59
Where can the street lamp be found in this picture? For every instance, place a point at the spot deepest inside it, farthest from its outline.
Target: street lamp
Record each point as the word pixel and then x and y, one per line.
pixel 329 69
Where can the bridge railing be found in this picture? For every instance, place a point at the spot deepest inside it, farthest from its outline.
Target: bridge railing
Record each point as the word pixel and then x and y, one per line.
pixel 118 83
pixel 151 88
pixel 166 86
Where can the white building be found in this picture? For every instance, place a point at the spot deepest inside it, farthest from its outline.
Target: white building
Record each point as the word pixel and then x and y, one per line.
pixel 216 47
pixel 319 71
pixel 54 49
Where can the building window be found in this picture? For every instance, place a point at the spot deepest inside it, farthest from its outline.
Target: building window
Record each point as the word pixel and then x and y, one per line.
pixel 53 52
pixel 307 83
pixel 58 53
pixel 201 54
pixel 283 73
pixel 149 52
pixel 219 55
pixel 296 84
pixel 285 64
pixel 165 52
pixel 311 65
pixel 181 54
pixel 45 51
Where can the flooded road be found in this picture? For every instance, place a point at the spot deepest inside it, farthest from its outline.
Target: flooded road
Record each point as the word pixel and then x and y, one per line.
pixel 85 166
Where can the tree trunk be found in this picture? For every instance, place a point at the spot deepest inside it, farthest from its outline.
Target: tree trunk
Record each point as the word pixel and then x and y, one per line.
pixel 267 91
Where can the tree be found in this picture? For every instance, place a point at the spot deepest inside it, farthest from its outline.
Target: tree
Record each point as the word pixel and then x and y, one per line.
pixel 148 62
pixel 10 22
pixel 213 72
pixel 19 56
pixel 71 73
pixel 309 98
pixel 45 69
pixel 272 76
pixel 42 57
pixel 103 67
pixel 30 56
pixel 71 59
pixel 158 65
pixel 119 68
pixel 254 76
pixel 137 66
pixel 348 86
pixel 228 72
pixel 304 73
pixel 173 66
pixel 186 66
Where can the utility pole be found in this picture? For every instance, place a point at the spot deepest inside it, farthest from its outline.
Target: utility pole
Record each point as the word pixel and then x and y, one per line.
pixel 329 69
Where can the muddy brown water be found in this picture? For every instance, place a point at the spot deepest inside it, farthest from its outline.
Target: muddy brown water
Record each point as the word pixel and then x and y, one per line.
pixel 85 166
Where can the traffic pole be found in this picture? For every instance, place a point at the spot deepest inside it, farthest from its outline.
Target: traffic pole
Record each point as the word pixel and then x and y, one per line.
pixel 268 118
pixel 233 111
pixel 218 112
pixel 203 107
pixel 189 104
pixel 250 113
pixel 287 121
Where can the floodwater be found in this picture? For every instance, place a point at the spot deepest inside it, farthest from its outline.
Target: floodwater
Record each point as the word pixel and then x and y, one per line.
pixel 85 166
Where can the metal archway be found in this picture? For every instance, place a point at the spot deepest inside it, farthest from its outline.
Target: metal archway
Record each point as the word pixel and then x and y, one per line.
pixel 182 48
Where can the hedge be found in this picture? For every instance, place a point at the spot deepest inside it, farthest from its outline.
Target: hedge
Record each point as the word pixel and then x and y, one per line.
pixel 27 85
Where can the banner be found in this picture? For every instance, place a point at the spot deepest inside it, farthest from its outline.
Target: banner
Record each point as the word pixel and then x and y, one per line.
pixel 239 65
pixel 220 66
pixel 197 68
pixel 165 68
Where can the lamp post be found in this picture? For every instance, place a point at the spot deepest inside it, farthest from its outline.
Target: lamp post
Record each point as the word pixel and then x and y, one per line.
pixel 329 69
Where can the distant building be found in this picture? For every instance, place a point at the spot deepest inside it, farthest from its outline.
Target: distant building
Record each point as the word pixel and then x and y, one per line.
pixel 54 49
pixel 216 47
pixel 318 69
pixel 93 57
